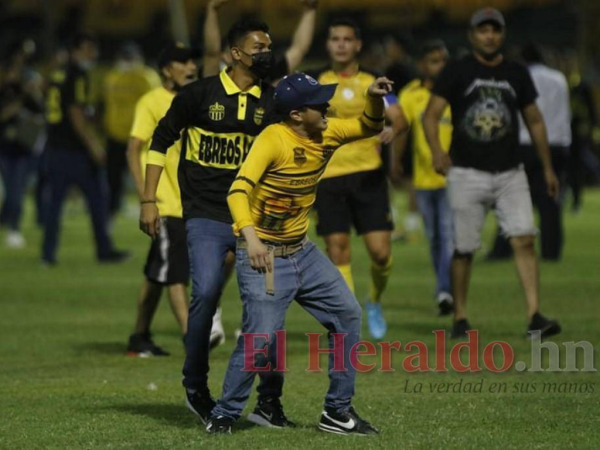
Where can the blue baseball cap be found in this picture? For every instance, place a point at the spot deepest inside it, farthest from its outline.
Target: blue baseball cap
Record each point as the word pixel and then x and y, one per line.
pixel 298 89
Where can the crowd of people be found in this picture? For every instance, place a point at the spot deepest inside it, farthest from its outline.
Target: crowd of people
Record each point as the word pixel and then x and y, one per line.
pixel 229 157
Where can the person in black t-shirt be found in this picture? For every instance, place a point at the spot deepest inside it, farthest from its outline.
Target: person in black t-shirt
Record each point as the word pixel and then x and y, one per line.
pixel 486 92
pixel 73 153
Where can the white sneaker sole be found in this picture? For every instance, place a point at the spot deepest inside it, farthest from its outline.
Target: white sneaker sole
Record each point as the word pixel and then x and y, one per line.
pixel 192 409
pixel 260 421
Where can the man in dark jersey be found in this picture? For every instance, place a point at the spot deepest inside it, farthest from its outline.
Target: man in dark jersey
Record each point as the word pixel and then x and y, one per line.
pixel 486 93
pixel 218 119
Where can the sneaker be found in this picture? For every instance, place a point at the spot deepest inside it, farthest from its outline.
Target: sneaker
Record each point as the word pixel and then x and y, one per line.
pixel 217 333
pixel 377 324
pixel 200 403
pixel 219 425
pixel 15 240
pixel 445 303
pixel 347 422
pixel 460 328
pixel 546 327
pixel 142 346
pixel 269 413
pixel 114 257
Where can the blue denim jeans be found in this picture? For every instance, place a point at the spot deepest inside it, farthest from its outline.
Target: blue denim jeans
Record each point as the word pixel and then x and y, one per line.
pixel 437 217
pixel 208 244
pixel 314 282
pixel 14 171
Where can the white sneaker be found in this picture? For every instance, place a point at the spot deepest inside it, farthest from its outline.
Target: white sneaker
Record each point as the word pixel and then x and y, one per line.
pixel 15 240
pixel 217 333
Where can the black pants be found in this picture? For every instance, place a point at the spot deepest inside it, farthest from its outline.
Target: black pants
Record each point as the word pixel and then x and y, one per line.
pixel 550 211
pixel 116 170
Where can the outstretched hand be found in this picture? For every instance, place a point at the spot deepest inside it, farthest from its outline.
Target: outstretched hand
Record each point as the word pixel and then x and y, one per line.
pixel 380 87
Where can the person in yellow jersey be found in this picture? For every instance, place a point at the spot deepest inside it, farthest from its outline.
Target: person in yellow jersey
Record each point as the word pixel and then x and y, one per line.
pixel 167 265
pixel 270 201
pixel 354 190
pixel 124 84
pixel 430 187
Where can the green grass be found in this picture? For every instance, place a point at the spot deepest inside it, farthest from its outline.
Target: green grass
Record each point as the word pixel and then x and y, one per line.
pixel 66 383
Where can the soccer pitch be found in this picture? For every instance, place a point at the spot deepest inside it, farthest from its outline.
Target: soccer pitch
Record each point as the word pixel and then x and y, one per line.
pixel 65 381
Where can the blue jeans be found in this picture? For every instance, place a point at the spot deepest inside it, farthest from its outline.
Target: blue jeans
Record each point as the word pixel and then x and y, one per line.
pixel 208 244
pixel 14 171
pixel 63 169
pixel 314 282
pixel 437 217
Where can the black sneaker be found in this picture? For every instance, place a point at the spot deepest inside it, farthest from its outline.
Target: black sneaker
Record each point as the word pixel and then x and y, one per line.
pixel 546 327
pixel 347 422
pixel 200 403
pixel 460 328
pixel 445 303
pixel 219 425
pixel 269 413
pixel 114 257
pixel 141 345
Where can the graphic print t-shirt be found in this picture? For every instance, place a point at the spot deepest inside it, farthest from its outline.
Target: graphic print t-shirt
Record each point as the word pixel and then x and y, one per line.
pixel 485 102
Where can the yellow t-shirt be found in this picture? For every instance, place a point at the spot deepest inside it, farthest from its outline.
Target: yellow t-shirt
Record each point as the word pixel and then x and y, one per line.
pixel 149 110
pixel 413 100
pixel 122 89
pixel 276 185
pixel 349 103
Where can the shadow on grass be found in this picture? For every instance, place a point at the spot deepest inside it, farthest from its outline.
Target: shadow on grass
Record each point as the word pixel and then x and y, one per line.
pixel 103 348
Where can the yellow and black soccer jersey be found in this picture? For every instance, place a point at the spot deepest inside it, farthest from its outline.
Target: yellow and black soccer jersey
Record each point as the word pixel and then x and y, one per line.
pixel 349 103
pixel 68 87
pixel 122 89
pixel 276 186
pixel 149 110
pixel 219 123
pixel 413 100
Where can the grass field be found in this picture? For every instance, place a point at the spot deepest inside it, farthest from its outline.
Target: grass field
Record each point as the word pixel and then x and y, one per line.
pixel 65 381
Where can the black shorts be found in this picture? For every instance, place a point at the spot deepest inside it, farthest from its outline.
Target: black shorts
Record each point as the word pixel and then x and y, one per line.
pixel 168 262
pixel 359 199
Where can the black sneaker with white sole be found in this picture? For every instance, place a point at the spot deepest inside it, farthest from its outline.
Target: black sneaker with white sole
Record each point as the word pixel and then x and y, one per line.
pixel 200 403
pixel 269 413
pixel 544 326
pixel 345 423
pixel 142 345
pixel 219 425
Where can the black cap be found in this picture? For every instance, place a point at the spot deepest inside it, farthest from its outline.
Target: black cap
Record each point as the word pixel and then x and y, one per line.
pixel 176 52
pixel 487 15
pixel 297 90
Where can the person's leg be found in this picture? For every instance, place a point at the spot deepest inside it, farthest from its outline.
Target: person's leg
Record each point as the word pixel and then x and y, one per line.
pixel 20 185
pixel 378 244
pixel 208 244
pixel 469 192
pixel 93 185
pixel 58 182
pixel 263 314
pixel 179 304
pixel 116 163
pixel 332 207
pixel 443 232
pixel 148 299
pixel 528 270
pixel 426 204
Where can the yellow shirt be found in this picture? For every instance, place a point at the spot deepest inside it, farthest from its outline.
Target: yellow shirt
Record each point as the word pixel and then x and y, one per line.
pixel 349 103
pixel 275 188
pixel 148 111
pixel 413 100
pixel 122 89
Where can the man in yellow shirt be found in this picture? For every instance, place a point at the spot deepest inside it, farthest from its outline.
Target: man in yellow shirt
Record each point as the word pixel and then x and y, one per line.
pixel 354 190
pixel 124 85
pixel 167 264
pixel 430 187
pixel 270 201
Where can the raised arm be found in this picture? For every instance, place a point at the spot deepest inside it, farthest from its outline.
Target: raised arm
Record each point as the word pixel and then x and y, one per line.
pixel 303 36
pixel 211 60
pixel 431 127
pixel 537 129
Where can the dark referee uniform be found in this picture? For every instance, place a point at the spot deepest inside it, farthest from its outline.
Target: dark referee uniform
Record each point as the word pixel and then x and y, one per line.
pixel 217 123
pixel 67 162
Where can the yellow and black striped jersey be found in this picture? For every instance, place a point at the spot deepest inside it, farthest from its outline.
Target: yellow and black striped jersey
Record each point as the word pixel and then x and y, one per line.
pixel 276 186
pixel 348 103
pixel 219 124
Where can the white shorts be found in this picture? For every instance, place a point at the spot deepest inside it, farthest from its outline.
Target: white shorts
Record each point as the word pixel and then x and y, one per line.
pixel 473 192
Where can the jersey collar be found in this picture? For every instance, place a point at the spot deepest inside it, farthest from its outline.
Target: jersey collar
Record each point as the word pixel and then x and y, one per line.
pixel 231 88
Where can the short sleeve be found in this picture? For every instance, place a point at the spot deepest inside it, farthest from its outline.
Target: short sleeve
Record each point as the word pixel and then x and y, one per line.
pixel 527 91
pixel 76 89
pixel 405 105
pixel 144 122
